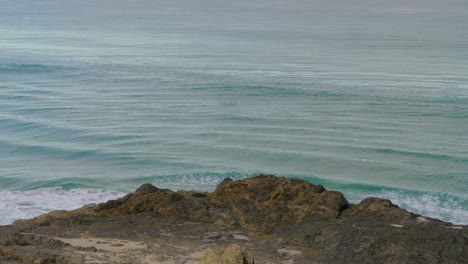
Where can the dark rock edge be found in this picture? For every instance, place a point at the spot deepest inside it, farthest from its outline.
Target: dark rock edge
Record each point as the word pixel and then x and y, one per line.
pixel 322 222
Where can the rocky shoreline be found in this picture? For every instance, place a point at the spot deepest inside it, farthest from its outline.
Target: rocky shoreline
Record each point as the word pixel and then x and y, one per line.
pixel 265 219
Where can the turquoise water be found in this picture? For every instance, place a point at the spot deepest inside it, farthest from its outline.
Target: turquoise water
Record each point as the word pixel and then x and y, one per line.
pixel 366 97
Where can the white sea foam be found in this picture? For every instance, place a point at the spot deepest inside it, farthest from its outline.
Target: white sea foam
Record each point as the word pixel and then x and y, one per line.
pixel 433 206
pixel 449 208
pixel 28 204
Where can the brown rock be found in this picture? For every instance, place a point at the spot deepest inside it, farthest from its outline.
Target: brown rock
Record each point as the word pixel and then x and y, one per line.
pixel 235 255
pixel 160 202
pixel 232 255
pixel 212 256
pixel 265 202
pixel 377 209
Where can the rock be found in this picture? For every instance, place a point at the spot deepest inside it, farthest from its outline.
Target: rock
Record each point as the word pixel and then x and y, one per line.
pixel 212 256
pixel 235 255
pixel 193 193
pixel 240 237
pixel 159 202
pixel 321 223
pixel 146 188
pixel 38 252
pixel 213 235
pixel 232 255
pixel 289 252
pixel 377 209
pixel 266 202
pixel 86 234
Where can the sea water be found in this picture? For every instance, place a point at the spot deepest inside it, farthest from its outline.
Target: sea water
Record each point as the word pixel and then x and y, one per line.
pixel 366 97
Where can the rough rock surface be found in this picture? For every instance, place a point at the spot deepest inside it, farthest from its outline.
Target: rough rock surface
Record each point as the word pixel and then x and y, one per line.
pixel 265 202
pixel 158 202
pixel 278 220
pixel 232 255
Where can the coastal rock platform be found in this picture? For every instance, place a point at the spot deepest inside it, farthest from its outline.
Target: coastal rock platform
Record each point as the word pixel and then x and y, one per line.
pixel 265 219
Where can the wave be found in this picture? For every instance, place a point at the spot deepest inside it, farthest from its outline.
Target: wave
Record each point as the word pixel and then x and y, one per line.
pixel 18 68
pixel 72 193
pixel 203 181
pixel 31 203
pixel 37 126
pixel 444 206
pixel 447 207
pixel 62 152
pixel 419 154
pixel 280 90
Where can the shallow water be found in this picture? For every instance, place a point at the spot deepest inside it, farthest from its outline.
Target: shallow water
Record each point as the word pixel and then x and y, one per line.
pixel 366 97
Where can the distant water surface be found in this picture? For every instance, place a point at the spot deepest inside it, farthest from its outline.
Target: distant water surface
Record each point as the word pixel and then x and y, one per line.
pixel 366 97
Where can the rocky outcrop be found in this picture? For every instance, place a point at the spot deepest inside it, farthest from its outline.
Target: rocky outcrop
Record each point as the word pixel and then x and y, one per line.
pixel 26 248
pixel 273 213
pixel 266 202
pixel 158 202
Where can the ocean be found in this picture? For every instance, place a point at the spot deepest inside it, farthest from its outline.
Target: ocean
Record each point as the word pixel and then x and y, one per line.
pixel 369 98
